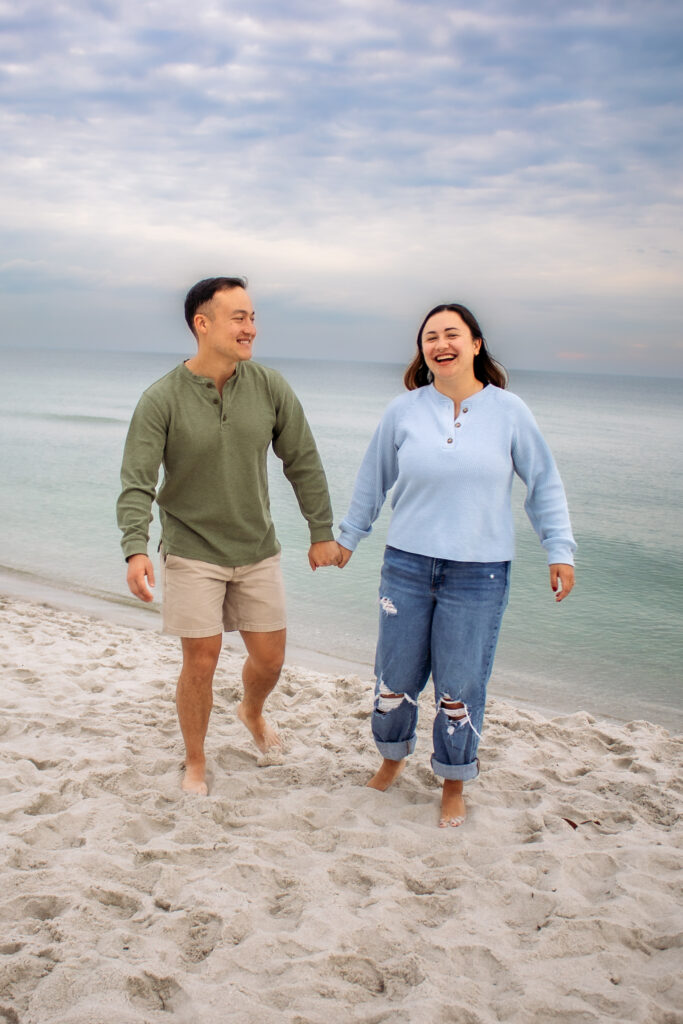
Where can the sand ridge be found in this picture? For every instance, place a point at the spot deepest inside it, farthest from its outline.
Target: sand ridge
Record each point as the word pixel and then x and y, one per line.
pixel 294 894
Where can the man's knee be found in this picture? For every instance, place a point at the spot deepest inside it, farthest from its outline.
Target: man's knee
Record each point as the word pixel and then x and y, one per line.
pixel 268 663
pixel 200 655
pixel 266 652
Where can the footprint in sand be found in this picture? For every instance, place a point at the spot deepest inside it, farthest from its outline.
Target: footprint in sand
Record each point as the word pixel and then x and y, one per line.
pixel 40 908
pixel 287 903
pixel 202 933
pixel 156 993
pixel 120 902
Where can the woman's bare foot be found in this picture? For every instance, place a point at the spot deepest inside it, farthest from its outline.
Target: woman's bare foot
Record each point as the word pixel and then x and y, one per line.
pixel 388 772
pixel 194 780
pixel 265 737
pixel 452 804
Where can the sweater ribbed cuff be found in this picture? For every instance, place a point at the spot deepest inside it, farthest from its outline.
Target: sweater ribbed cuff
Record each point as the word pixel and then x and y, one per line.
pixel 348 540
pixel 560 556
pixel 320 533
pixel 133 548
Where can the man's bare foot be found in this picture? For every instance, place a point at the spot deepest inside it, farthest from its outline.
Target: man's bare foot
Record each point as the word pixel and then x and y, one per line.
pixel 265 737
pixel 388 772
pixel 194 780
pixel 452 804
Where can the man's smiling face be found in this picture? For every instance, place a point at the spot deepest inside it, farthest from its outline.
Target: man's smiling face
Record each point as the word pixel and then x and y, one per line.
pixel 225 326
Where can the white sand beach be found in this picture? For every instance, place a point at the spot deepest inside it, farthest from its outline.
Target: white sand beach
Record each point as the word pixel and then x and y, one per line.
pixel 292 894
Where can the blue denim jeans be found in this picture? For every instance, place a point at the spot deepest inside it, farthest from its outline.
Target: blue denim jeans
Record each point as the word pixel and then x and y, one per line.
pixel 441 618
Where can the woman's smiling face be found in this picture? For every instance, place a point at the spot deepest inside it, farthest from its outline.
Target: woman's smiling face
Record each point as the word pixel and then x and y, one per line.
pixel 448 346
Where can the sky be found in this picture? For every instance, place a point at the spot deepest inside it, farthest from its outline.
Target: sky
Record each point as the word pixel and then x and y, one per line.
pixel 359 162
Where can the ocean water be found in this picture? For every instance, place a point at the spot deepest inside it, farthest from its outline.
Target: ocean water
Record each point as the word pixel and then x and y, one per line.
pixel 614 648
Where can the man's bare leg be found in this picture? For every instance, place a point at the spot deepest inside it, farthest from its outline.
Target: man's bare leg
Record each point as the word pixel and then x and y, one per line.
pixel 194 700
pixel 387 773
pixel 265 657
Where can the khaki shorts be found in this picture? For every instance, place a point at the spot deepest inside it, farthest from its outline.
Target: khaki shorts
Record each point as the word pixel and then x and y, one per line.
pixel 201 599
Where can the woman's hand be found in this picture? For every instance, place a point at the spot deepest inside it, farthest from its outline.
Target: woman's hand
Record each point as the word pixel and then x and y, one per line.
pixel 561 580
pixel 345 554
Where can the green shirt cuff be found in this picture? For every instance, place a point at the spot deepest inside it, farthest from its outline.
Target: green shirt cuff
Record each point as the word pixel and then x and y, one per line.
pixel 320 533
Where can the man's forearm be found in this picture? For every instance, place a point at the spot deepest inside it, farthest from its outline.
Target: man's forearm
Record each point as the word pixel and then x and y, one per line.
pixel 316 508
pixel 142 457
pixel 305 473
pixel 134 514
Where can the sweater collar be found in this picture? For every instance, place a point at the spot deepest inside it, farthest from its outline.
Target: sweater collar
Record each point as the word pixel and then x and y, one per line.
pixel 470 400
pixel 195 378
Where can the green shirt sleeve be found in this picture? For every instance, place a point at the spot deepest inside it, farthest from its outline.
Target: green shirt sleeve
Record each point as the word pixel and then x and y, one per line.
pixel 142 456
pixel 293 443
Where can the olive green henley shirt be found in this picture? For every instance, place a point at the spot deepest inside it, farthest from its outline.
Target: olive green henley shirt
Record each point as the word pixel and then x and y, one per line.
pixel 213 500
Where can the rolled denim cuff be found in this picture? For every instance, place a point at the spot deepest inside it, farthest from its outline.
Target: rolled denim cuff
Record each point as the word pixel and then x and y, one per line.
pixel 465 772
pixel 396 751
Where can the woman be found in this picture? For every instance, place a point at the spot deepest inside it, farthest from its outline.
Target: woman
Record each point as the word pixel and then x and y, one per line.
pixel 449 448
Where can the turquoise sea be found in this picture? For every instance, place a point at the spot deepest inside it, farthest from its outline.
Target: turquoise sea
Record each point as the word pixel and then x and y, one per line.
pixel 615 648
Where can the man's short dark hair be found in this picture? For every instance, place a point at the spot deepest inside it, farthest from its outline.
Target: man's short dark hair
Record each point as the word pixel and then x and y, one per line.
pixel 204 291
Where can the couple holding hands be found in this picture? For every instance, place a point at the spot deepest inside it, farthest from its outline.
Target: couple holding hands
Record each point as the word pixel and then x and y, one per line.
pixel 449 447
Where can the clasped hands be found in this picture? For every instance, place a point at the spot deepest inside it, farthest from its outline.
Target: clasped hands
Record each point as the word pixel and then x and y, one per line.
pixel 327 552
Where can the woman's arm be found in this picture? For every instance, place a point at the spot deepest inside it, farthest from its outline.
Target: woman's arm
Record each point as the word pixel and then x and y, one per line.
pixel 546 503
pixel 377 474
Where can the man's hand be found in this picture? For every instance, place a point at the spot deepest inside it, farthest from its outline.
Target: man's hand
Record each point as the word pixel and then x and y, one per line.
pixel 345 555
pixel 561 580
pixel 323 552
pixel 140 574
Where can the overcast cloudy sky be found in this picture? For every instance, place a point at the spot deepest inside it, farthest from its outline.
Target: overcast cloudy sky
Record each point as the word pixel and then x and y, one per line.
pixel 359 161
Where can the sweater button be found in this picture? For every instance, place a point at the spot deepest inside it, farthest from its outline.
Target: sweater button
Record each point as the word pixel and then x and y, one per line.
pixel 215 401
pixel 466 409
pixel 209 385
pixel 449 440
pixel 458 424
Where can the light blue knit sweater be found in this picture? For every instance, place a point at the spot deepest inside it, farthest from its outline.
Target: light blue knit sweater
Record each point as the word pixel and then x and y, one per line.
pixel 452 481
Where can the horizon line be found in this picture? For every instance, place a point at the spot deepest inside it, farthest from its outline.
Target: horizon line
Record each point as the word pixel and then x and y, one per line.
pixel 573 371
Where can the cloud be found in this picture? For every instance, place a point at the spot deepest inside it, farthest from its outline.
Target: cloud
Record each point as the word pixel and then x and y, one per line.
pixel 522 152
pixel 21 276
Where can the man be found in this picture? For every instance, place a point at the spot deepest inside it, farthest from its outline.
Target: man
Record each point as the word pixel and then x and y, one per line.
pixel 211 421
